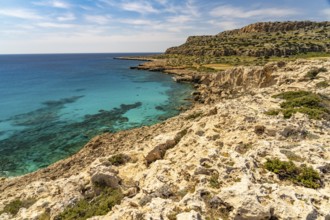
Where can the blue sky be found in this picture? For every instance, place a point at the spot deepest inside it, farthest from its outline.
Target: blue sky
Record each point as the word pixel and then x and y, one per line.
pixel 78 26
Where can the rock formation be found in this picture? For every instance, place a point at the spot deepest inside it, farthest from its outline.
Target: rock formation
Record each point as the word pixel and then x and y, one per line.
pixel 261 39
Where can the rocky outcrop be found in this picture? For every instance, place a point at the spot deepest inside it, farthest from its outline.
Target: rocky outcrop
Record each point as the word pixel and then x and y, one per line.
pixel 261 39
pixel 279 27
pixel 213 166
pixel 159 151
pixel 213 86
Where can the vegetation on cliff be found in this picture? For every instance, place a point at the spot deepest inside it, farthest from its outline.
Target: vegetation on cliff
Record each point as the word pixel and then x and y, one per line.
pixel 287 170
pixel 314 105
pixel 256 44
pixel 261 39
pixel 14 206
pixel 86 208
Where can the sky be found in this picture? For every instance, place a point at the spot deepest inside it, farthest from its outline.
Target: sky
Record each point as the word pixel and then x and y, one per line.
pixel 101 26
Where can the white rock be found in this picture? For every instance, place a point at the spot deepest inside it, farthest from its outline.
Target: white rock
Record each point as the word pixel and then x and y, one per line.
pixel 192 215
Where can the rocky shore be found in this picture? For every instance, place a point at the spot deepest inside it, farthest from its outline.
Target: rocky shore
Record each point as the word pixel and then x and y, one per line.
pixel 222 159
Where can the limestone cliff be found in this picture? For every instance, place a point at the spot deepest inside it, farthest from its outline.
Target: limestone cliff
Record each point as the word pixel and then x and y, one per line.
pixel 261 39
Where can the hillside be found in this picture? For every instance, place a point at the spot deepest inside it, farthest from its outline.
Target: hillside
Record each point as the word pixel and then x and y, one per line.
pixel 262 39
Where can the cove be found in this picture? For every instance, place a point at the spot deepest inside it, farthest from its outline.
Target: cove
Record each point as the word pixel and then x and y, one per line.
pixel 52 105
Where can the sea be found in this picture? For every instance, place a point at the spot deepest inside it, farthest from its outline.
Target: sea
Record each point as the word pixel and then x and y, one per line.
pixel 51 105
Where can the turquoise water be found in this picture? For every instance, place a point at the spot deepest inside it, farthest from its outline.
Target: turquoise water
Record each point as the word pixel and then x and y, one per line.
pixel 51 105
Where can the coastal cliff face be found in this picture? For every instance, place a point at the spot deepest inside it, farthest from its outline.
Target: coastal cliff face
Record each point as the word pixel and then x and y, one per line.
pixel 281 26
pixel 261 39
pixel 222 159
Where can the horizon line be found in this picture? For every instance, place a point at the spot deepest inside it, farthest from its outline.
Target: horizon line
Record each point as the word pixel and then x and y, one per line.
pixel 59 53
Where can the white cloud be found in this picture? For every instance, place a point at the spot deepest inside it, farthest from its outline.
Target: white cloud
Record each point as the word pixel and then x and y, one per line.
pixel 67 17
pixel 191 9
pixel 137 21
pixel 55 25
pixel 20 13
pixel 11 32
pixel 227 11
pixel 139 7
pixel 225 25
pixel 98 19
pixel 60 4
pixel 326 12
pixel 54 3
pixel 26 27
pixel 179 19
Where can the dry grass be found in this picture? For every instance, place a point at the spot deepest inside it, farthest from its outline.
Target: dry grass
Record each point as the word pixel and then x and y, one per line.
pixel 218 66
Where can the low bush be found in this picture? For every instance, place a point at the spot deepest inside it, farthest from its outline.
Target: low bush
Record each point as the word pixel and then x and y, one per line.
pixel 119 159
pixel 323 84
pixel 304 102
pixel 287 170
pixel 99 205
pixel 214 181
pixel 14 206
pixel 291 95
pixel 312 74
pixel 272 112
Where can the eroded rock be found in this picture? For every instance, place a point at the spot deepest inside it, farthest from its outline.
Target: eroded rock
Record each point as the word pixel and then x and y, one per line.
pixel 106 179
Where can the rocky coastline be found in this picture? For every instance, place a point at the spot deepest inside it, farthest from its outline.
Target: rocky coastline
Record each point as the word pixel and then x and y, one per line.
pixel 209 162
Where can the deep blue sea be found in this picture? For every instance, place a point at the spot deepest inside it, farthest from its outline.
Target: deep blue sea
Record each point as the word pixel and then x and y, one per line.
pixel 51 105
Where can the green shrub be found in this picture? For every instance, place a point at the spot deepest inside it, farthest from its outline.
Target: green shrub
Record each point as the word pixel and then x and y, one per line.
pixel 272 112
pixel 214 181
pixel 304 102
pixel 308 177
pixel 323 84
pixel 309 101
pixel 14 206
pixel 291 94
pixel 119 159
pixel 314 72
pixel 323 70
pixel 287 170
pixel 100 205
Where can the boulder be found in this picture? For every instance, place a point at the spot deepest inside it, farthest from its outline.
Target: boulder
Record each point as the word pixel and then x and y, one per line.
pixel 204 171
pixel 251 209
pixel 259 129
pixel 159 151
pixel 293 132
pixel 106 179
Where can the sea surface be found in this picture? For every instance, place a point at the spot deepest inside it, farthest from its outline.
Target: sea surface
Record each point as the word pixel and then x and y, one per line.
pixel 51 105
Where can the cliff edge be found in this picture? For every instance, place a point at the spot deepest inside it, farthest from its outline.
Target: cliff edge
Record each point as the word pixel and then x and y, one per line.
pixel 261 39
